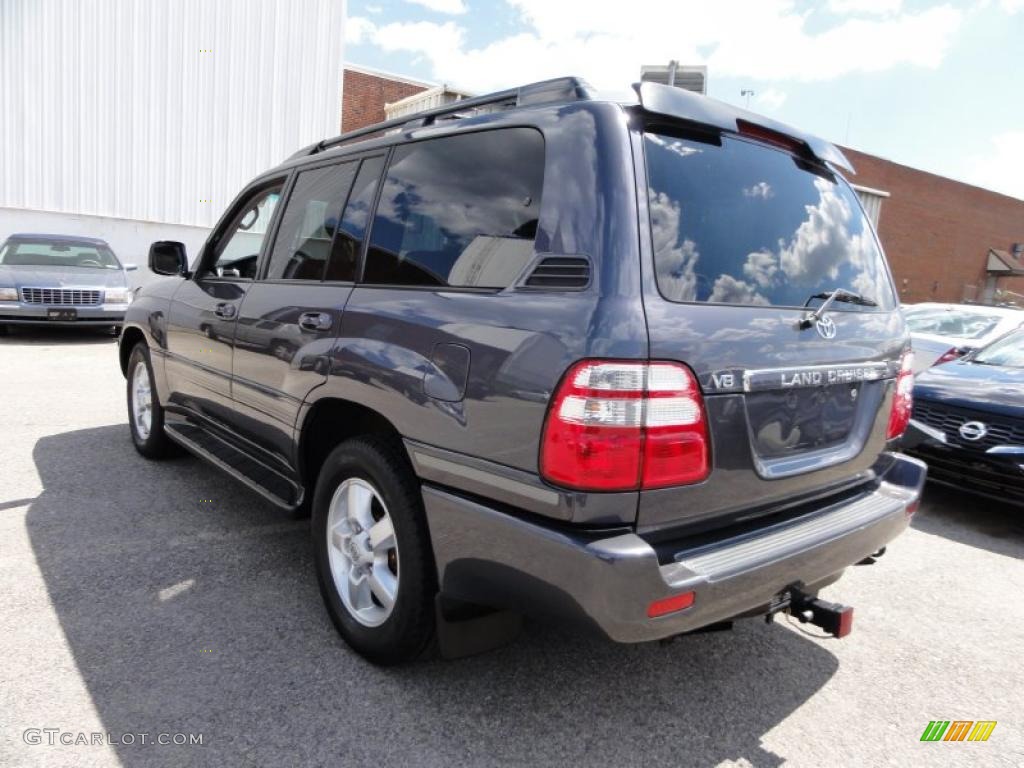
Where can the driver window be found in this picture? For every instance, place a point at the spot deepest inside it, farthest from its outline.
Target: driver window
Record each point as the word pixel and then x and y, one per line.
pixel 238 250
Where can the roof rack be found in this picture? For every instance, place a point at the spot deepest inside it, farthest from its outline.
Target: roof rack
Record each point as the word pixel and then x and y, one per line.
pixel 560 89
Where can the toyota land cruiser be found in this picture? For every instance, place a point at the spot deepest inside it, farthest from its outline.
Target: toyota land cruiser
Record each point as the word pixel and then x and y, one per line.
pixel 638 365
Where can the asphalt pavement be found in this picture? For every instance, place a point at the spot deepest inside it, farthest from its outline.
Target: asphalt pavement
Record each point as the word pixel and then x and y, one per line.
pixel 143 600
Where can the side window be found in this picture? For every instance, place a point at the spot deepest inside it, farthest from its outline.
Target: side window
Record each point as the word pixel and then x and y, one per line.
pixel 237 251
pixel 308 223
pixel 458 211
pixel 345 255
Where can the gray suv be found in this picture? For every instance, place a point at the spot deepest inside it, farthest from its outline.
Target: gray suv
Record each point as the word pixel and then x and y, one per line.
pixel 635 365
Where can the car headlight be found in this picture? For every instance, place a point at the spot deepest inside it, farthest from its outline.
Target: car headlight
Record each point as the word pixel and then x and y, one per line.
pixel 117 296
pixel 8 294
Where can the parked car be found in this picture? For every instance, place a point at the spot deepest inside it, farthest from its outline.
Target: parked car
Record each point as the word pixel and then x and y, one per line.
pixel 61 280
pixel 943 332
pixel 637 365
pixel 968 420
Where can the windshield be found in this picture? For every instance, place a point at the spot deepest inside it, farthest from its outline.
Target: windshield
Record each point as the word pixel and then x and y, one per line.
pixel 42 253
pixel 735 222
pixel 1008 351
pixel 951 322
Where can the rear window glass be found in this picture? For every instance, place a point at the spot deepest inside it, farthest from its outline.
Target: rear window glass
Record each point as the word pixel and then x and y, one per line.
pixel 735 222
pixel 944 322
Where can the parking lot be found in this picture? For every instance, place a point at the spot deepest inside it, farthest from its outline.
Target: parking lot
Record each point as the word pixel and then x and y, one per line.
pixel 165 598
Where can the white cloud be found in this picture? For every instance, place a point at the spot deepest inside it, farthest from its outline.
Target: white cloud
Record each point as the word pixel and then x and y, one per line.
pixel 676 262
pixel 374 9
pixel 762 189
pixel 359 30
pixel 868 7
pixel 1001 168
pixel 729 290
pixel 1012 6
pixel 607 46
pixel 452 7
pixel 770 99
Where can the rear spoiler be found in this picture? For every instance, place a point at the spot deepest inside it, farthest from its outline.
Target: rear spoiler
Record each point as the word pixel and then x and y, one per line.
pixel 681 104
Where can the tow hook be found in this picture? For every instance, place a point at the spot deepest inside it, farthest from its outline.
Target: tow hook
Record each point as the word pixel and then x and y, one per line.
pixel 834 618
pixel 872 558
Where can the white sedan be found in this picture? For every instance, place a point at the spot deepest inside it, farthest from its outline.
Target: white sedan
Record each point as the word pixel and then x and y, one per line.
pixel 943 332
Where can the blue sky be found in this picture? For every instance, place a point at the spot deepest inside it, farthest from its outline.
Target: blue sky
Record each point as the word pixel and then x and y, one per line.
pixel 934 85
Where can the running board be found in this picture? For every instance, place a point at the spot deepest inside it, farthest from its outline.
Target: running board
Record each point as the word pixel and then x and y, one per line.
pixel 271 485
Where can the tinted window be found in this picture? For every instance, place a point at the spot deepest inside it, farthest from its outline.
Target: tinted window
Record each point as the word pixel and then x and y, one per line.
pixel 740 223
pixel 1008 351
pixel 459 211
pixel 308 223
pixel 237 251
pixel 349 239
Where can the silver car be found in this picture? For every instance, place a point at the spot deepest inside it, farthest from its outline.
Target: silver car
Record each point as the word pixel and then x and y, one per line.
pixel 943 332
pixel 61 280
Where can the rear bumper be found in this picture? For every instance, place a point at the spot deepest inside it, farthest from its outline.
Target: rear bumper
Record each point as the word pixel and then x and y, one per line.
pixel 487 556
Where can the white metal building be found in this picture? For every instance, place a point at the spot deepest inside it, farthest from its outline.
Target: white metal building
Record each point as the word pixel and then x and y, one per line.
pixel 135 120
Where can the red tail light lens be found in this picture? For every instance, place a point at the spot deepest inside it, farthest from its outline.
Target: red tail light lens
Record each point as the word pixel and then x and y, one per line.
pixel 902 402
pixel 619 426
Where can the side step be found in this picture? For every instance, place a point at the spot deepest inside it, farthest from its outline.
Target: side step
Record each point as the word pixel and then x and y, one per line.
pixel 267 482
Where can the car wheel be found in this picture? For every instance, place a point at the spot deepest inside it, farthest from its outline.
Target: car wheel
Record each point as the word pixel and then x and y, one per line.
pixel 145 414
pixel 372 551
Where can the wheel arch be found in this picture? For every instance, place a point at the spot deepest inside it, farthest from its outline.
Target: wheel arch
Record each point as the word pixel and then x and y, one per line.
pixel 130 336
pixel 329 422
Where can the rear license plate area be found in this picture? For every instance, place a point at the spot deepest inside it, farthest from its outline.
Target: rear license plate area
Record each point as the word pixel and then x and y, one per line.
pixel 61 314
pixel 787 421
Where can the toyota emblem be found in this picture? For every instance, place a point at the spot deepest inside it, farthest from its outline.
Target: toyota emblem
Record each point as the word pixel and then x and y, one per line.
pixel 826 327
pixel 973 430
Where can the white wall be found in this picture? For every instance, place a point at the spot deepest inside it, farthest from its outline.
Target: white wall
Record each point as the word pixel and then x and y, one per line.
pixel 159 110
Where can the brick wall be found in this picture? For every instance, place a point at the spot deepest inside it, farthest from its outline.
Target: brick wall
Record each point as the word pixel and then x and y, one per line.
pixel 365 95
pixel 936 231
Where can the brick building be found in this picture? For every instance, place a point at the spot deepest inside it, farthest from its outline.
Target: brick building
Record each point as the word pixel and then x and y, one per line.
pixel 945 240
pixel 366 91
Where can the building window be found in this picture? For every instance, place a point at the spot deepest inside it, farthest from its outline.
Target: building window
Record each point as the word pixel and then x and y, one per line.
pixel 871 199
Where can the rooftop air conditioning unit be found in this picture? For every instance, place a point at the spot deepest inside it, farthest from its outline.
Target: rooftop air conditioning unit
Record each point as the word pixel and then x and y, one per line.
pixel 691 77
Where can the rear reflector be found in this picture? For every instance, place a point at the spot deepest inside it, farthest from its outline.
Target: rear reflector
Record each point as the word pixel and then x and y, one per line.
pixel 845 625
pixel 948 356
pixel 912 506
pixel 623 426
pixel 902 403
pixel 670 605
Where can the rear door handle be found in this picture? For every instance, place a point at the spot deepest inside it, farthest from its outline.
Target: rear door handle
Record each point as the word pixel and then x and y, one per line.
pixel 227 311
pixel 316 321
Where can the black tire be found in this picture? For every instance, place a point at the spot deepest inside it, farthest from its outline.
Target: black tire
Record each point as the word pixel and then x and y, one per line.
pixel 409 629
pixel 155 445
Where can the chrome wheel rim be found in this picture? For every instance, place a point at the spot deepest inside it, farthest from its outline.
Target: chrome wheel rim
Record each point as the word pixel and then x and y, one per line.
pixel 363 552
pixel 142 401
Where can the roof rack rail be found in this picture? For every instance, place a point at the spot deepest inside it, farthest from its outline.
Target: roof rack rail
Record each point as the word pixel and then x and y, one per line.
pixel 544 92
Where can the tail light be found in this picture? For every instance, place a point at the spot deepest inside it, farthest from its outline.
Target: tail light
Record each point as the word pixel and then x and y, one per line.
pixel 952 354
pixel 620 426
pixel 901 400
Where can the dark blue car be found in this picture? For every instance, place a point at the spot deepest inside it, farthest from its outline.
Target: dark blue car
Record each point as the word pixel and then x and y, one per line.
pixel 968 420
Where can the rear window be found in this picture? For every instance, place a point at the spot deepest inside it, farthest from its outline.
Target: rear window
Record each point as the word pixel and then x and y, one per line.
pixel 945 322
pixel 58 253
pixel 734 222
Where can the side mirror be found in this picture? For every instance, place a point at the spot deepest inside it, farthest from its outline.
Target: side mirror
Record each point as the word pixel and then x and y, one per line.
pixel 130 267
pixel 168 257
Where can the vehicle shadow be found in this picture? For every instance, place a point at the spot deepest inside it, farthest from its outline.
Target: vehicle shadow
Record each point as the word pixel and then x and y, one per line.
pixel 25 336
pixel 970 519
pixel 190 605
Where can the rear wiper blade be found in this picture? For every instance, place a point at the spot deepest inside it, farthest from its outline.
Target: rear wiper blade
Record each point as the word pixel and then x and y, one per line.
pixel 839 294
